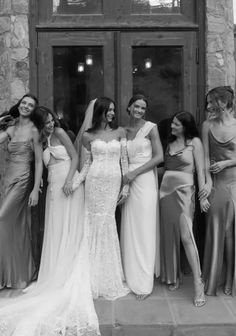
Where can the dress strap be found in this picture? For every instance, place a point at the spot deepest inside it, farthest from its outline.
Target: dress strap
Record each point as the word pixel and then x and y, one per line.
pixel 48 140
pixel 144 131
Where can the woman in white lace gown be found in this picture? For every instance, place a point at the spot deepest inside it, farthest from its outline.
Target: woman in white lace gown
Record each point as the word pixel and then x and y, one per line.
pixel 60 303
pixel 140 216
pixel 102 175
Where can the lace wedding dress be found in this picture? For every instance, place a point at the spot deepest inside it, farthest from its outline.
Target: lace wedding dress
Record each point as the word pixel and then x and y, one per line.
pixel 60 303
pixel 102 174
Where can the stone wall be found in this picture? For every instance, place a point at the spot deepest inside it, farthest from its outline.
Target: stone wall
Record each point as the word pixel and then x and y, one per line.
pixel 220 62
pixel 14 59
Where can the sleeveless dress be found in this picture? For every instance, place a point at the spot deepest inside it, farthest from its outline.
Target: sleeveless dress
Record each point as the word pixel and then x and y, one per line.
pixel 220 216
pixel 102 186
pixel 60 303
pixel 16 262
pixel 140 218
pixel 177 203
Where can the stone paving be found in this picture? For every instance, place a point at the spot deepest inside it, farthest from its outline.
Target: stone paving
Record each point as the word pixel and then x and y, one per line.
pixel 167 313
pixel 164 313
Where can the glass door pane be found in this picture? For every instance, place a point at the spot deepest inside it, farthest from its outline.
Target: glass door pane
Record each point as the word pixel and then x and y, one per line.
pixel 156 6
pixel 157 74
pixel 77 78
pixel 74 68
pixel 77 6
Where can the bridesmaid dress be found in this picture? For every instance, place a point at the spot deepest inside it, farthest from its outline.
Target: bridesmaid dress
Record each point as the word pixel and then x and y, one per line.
pixel 139 218
pixel 220 216
pixel 60 302
pixel 16 262
pixel 176 204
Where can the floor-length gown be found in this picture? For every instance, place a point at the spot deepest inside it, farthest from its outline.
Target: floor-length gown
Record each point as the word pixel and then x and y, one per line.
pixel 177 202
pixel 221 216
pixel 60 303
pixel 16 262
pixel 102 186
pixel 140 218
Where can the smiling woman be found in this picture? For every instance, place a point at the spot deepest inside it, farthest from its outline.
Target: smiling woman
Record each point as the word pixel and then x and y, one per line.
pixel 16 263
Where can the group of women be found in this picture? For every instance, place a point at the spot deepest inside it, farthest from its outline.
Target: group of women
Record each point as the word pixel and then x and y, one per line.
pixel 82 257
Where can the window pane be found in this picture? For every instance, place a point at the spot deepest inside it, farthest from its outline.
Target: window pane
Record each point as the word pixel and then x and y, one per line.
pixel 77 79
pixel 157 74
pixel 156 6
pixel 77 6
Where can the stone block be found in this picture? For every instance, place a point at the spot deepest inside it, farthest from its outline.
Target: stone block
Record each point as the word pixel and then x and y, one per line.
pixel 5 7
pixel 104 310
pixel 221 330
pixel 130 330
pixel 147 312
pixel 17 89
pixel 5 24
pixel 22 70
pixel 20 34
pixel 20 6
pixel 214 312
pixel 19 54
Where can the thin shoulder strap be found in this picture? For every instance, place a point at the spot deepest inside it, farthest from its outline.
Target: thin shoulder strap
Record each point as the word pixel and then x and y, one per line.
pixel 148 126
pixel 48 140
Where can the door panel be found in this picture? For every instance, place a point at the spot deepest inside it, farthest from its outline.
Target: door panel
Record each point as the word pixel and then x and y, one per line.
pixel 163 68
pixel 74 68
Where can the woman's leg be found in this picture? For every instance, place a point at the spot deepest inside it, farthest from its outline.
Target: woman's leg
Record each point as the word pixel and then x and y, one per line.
pixel 193 259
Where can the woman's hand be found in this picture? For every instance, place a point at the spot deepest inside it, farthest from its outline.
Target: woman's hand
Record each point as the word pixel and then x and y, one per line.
pixel 205 191
pixel 129 177
pixel 123 195
pixel 67 188
pixel 218 166
pixel 33 198
pixel 204 205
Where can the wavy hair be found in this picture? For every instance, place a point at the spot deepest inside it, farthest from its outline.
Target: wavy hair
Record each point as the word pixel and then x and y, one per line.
pixel 189 126
pixel 39 118
pixel 221 93
pixel 101 107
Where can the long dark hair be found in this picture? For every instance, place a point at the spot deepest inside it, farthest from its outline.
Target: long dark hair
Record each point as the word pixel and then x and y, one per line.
pixel 189 126
pixel 39 118
pixel 136 97
pixel 101 107
pixel 222 93
pixel 14 111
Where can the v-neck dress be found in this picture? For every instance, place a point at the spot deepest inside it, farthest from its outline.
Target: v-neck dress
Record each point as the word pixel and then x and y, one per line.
pixel 177 195
pixel 220 216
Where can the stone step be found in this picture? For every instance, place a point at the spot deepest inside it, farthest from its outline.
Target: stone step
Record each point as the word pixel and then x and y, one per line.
pixel 167 313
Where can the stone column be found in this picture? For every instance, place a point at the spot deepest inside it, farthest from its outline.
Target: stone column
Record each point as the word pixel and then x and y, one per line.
pixel 220 62
pixel 14 60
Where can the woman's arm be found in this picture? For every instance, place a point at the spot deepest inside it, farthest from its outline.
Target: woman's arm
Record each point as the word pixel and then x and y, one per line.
pixel 205 191
pixel 157 157
pixel 38 163
pixel 8 133
pixel 66 142
pixel 86 142
pixel 200 168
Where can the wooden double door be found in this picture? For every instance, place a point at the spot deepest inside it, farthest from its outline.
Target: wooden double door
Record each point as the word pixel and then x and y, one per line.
pixel 77 66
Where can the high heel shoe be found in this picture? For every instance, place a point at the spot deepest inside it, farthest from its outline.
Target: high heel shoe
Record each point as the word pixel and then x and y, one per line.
pixel 174 286
pixel 227 290
pixel 199 299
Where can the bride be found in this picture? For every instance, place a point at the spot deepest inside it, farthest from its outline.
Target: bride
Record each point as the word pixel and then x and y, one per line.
pixel 60 303
pixel 105 162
